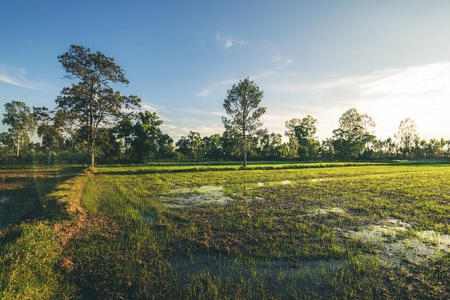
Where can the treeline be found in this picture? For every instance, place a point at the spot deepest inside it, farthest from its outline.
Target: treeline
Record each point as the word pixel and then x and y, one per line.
pixel 139 138
pixel 92 121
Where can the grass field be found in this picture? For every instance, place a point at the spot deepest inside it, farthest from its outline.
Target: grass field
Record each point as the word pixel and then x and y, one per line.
pixel 282 231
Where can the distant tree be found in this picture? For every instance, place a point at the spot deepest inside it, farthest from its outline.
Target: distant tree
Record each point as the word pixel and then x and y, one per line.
pixel 212 146
pixel 49 129
pixel 230 142
pixel 144 137
pixel 91 103
pixel 290 134
pixel 242 105
pixel 407 136
pixel 21 122
pixel 432 148
pixel 6 144
pixel 355 132
pixel 305 134
pixel 327 148
pixel 271 145
pixel 191 145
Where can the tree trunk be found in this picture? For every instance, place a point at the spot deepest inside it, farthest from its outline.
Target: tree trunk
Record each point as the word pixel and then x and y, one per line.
pixel 92 159
pixel 18 144
pixel 245 150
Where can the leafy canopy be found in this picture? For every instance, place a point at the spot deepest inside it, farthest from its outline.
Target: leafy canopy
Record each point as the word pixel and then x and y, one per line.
pixel 242 105
pixel 21 124
pixel 91 103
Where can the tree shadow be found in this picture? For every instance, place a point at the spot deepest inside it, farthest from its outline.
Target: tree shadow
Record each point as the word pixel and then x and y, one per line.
pixel 24 190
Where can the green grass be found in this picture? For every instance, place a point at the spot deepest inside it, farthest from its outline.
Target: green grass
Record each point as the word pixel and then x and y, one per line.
pixel 289 230
pixel 31 251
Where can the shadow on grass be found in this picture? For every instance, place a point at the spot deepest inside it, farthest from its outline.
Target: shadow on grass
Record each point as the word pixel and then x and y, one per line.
pixel 24 192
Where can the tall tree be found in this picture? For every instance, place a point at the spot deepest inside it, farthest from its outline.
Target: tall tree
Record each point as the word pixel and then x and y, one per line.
pixel 355 132
pixel 21 121
pixel 91 103
pixel 242 105
pixel 407 136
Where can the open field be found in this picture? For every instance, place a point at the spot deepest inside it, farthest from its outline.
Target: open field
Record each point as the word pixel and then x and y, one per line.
pixel 289 231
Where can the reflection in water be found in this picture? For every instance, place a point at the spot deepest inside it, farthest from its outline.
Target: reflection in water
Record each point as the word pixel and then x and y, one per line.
pixel 180 198
pixel 397 241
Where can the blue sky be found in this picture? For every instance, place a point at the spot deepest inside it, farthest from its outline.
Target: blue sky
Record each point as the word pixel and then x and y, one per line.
pixel 389 59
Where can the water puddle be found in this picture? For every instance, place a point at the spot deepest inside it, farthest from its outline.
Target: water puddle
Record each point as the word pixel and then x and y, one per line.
pixel 317 179
pixel 397 241
pixel 3 199
pixel 278 275
pixel 149 219
pixel 185 197
pixel 269 183
pixel 323 211
pixel 283 182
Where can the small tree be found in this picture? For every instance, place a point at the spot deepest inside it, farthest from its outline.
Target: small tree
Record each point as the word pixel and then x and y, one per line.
pixel 145 137
pixel 191 145
pixel 290 133
pixel 21 121
pixel 242 105
pixel 49 129
pixel 91 103
pixel 305 133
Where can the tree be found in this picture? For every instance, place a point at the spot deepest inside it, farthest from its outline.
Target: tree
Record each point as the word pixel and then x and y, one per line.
pixel 355 132
pixel 290 133
pixel 212 146
pixel 49 129
pixel 407 136
pixel 271 145
pixel 242 105
pixel 145 137
pixel 230 144
pixel 21 121
pixel 92 103
pixel 305 134
pixel 190 145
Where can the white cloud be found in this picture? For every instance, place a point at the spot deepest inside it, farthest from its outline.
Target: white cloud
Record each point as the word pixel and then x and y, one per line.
pixel 203 93
pixel 281 61
pixel 214 86
pixel 17 76
pixel 150 107
pixel 227 42
pixel 388 96
pixel 230 82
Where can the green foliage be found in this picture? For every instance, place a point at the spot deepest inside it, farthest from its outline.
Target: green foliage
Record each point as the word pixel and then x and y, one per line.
pixel 91 103
pixel 408 137
pixel 145 138
pixel 276 238
pixel 21 124
pixel 49 129
pixel 354 134
pixel 242 105
pixel 305 133
pixel 191 145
